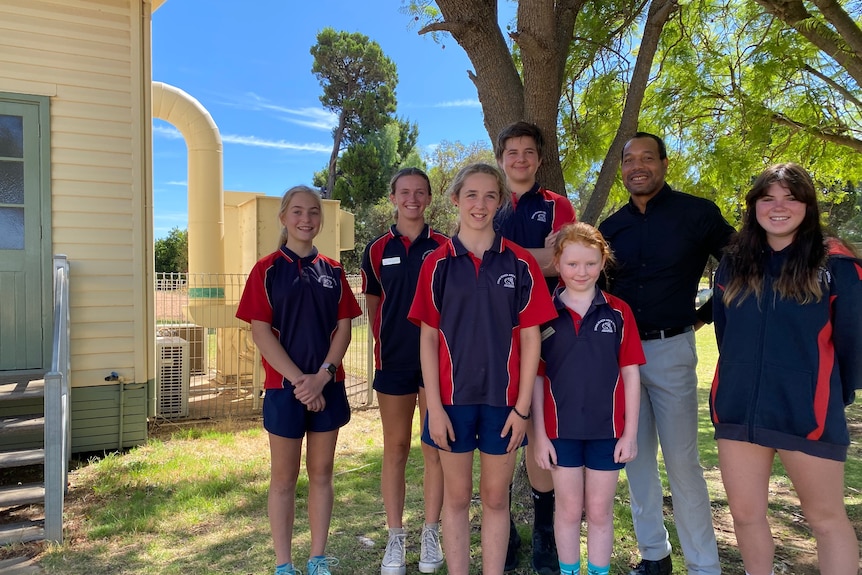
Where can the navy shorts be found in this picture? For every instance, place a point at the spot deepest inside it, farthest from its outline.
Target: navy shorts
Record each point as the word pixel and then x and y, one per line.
pixel 476 426
pixel 286 416
pixel 597 454
pixel 397 382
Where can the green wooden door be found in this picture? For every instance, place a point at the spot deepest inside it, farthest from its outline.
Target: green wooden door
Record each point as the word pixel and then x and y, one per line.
pixel 22 325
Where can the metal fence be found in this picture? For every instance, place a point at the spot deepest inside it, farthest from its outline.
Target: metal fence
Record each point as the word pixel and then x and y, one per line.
pixel 207 364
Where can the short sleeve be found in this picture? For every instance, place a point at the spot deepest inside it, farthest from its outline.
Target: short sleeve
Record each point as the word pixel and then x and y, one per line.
pixel 423 309
pixel 631 348
pixel 564 213
pixel 537 307
pixel 347 305
pixel 370 282
pixel 254 303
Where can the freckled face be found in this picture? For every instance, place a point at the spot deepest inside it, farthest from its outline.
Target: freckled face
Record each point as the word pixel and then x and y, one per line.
pixel 478 200
pixel 780 215
pixel 579 267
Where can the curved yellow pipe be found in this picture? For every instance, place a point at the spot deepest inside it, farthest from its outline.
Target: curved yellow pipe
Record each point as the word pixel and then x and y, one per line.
pixel 205 184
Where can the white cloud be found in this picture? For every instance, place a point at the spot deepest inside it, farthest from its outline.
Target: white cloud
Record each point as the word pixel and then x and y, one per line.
pixel 459 104
pixel 167 131
pixel 314 118
pixel 277 144
pixel 254 141
pixel 182 183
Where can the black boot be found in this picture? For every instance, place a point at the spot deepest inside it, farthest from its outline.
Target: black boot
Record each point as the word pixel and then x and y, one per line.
pixel 647 567
pixel 513 548
pixel 545 559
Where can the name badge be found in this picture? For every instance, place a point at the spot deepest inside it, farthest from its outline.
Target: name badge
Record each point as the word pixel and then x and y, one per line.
pixel 391 261
pixel 548 332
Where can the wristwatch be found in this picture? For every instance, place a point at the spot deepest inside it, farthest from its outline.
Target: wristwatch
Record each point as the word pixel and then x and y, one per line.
pixel 330 367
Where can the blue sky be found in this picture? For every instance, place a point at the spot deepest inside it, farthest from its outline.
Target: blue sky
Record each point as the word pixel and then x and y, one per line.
pixel 249 64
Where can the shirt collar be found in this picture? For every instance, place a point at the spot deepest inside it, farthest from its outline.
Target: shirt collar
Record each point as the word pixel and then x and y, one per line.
pixel 662 194
pixel 292 257
pixel 425 233
pixel 598 299
pixel 459 250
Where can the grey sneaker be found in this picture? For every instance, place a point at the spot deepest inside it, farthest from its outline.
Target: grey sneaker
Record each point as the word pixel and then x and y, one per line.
pixel 321 565
pixel 430 552
pixel 395 557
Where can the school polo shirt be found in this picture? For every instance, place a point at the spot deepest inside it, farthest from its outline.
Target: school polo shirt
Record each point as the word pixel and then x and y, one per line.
pixel 302 299
pixel 390 270
pixel 479 308
pixel 584 396
pixel 532 217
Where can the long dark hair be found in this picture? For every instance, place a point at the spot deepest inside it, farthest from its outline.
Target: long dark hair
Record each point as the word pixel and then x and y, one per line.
pixel 799 278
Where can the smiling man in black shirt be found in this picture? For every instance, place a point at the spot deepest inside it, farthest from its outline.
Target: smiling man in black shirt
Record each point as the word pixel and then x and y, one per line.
pixel 661 240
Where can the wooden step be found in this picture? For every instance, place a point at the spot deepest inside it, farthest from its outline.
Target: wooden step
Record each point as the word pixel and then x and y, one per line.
pixel 21 532
pixel 22 390
pixel 22 458
pixel 21 424
pixel 20 566
pixel 22 494
pixel 22 376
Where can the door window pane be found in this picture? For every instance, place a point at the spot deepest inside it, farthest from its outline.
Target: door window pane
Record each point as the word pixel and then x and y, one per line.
pixel 11 228
pixel 11 182
pixel 11 136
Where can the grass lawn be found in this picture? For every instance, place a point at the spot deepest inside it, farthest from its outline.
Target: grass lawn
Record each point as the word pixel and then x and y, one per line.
pixel 195 502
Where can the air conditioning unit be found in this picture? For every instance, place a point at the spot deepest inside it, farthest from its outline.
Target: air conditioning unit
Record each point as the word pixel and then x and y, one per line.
pixel 172 377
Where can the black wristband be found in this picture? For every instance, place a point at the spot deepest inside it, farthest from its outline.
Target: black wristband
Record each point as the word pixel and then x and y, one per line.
pixel 524 417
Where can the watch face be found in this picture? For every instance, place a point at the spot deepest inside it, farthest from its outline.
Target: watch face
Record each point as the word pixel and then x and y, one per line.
pixel 331 369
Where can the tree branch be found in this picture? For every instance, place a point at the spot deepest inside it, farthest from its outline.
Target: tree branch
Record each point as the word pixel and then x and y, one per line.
pixel 844 24
pixel 848 95
pixel 794 14
pixel 818 132
pixel 658 15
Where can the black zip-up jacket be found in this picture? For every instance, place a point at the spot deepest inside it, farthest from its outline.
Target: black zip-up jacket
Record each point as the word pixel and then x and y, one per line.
pixel 786 371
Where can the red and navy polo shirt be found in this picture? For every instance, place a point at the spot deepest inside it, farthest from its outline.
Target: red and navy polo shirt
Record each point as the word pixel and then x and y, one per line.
pixel 532 217
pixel 584 396
pixel 302 299
pixel 390 270
pixel 479 307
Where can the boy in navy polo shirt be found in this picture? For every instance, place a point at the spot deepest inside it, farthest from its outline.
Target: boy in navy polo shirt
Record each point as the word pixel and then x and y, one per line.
pixel 299 306
pixel 587 403
pixel 532 221
pixel 479 302
pixel 390 270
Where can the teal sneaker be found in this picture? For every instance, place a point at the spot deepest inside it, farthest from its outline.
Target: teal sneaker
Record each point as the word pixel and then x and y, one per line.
pixel 320 565
pixel 288 569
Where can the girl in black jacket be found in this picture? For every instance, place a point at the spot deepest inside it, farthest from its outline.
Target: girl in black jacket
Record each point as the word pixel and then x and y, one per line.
pixel 788 318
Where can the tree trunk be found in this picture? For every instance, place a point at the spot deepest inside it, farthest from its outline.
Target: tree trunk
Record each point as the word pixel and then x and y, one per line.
pixel 658 15
pixel 333 157
pixel 544 33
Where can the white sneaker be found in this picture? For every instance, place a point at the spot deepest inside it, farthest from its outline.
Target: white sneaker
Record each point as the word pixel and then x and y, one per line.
pixel 395 557
pixel 430 552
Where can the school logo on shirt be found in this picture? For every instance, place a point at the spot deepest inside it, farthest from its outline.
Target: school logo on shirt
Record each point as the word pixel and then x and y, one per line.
pixel 540 216
pixel 605 326
pixel 507 281
pixel 326 281
pixel 824 275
